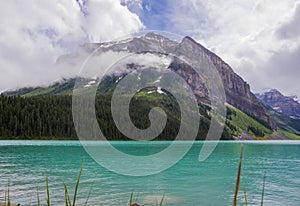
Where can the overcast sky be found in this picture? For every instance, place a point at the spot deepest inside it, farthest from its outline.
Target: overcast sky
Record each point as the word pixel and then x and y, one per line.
pixel 260 39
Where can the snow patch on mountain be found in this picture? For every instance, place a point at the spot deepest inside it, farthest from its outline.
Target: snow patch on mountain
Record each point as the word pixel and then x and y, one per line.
pixel 159 91
pixel 297 99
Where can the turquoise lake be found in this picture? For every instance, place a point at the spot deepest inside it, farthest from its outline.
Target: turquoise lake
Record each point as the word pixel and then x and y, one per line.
pixel 24 164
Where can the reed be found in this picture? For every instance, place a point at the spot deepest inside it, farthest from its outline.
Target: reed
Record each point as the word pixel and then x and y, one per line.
pixel 8 197
pixel 162 199
pixel 47 191
pixel 38 196
pixel 244 186
pixel 238 177
pixel 263 190
pixel 67 196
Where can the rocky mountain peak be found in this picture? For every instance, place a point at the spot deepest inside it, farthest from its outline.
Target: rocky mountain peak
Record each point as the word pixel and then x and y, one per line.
pixel 237 91
pixel 280 103
pixel 154 36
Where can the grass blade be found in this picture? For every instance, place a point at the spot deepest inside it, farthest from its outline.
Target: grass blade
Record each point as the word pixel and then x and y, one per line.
pixel 238 177
pixel 88 197
pixel 263 191
pixel 244 185
pixel 162 199
pixel 67 196
pixel 5 197
pixel 38 196
pixel 48 193
pixel 8 197
pixel 77 185
pixel 137 198
pixel 130 201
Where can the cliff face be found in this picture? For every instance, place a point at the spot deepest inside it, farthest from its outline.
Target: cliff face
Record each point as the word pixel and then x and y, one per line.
pixel 280 103
pixel 237 91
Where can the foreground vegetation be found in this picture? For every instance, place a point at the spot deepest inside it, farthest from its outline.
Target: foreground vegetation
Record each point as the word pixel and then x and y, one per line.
pixel 68 200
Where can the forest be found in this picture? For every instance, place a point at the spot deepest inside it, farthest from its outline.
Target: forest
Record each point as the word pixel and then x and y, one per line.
pixel 50 117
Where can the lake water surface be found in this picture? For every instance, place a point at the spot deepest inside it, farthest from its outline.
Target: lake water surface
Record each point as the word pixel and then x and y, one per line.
pixel 24 164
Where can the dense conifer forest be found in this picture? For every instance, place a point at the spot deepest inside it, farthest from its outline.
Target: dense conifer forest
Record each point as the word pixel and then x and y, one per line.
pixel 50 117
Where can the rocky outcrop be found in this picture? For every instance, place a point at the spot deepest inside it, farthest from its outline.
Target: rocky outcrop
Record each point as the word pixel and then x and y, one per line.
pixel 237 91
pixel 280 103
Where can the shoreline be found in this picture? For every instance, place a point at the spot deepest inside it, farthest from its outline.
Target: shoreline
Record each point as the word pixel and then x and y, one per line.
pixel 156 142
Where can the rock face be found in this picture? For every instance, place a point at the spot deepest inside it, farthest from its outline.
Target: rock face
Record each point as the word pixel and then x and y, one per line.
pixel 237 90
pixel 280 103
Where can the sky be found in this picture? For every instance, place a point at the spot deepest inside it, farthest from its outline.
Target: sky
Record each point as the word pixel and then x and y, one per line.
pixel 260 39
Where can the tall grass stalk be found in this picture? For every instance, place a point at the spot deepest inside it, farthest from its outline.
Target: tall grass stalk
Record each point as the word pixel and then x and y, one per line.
pixel 238 177
pixel 38 196
pixel 47 190
pixel 5 197
pixel 130 200
pixel 244 186
pixel 161 201
pixel 263 191
pixel 67 196
pixel 77 185
pixel 8 196
pixel 137 198
pixel 88 197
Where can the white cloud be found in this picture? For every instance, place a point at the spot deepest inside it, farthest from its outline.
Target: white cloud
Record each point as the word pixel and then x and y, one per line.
pixel 35 33
pixel 134 5
pixel 108 19
pixel 247 34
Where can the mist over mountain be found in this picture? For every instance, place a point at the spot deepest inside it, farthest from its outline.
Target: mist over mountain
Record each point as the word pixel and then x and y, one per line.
pixel 246 116
pixel 237 91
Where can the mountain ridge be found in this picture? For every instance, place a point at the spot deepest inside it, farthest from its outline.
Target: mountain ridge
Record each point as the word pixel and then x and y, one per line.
pixel 280 103
pixel 238 93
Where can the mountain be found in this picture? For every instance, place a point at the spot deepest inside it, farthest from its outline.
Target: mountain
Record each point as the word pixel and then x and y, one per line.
pixel 246 116
pixel 284 110
pixel 62 87
pixel 237 91
pixel 280 103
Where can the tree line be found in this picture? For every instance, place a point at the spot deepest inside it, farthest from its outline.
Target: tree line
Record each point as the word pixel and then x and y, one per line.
pixel 50 117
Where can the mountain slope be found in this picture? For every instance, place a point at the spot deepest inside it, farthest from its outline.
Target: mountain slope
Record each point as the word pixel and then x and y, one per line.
pixel 237 91
pixel 286 125
pixel 280 103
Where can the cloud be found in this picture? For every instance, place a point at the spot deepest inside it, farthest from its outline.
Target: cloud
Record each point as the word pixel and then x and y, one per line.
pixel 283 71
pixel 291 28
pixel 136 6
pixel 283 66
pixel 247 34
pixel 35 33
pixel 108 19
pixel 259 39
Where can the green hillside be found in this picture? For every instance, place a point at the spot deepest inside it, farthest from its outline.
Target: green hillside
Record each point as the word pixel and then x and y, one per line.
pixel 59 88
pixel 59 97
pixel 238 120
pixel 286 125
